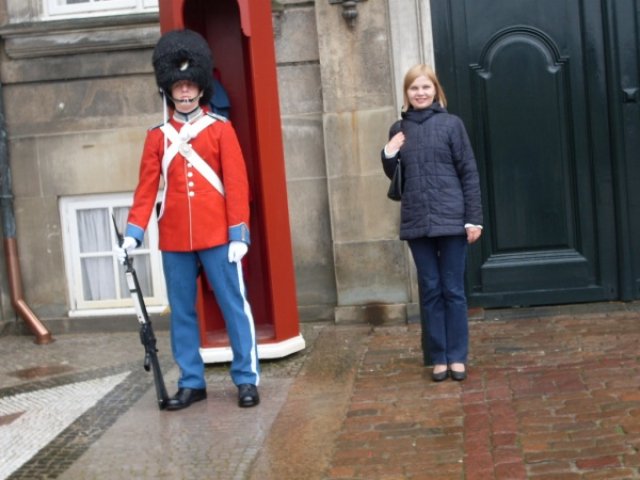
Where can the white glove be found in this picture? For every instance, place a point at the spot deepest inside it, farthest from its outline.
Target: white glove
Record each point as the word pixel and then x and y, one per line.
pixel 237 250
pixel 128 244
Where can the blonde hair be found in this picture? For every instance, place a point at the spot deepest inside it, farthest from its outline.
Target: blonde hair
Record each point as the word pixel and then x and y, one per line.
pixel 422 70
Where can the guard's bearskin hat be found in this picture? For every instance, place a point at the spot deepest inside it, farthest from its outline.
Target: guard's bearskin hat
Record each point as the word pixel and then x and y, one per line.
pixel 183 55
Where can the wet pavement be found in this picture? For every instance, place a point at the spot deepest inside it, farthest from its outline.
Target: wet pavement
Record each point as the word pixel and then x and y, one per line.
pixel 551 394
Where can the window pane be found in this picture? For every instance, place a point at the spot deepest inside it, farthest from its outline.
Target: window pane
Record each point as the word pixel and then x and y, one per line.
pixel 80 2
pixel 80 8
pixel 97 278
pixel 93 230
pixel 142 266
pixel 121 214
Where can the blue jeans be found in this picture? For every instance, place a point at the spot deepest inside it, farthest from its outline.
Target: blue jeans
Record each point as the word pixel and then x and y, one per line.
pixel 440 262
pixel 181 271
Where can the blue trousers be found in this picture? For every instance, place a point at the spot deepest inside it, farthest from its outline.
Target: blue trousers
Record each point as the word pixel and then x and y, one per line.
pixel 440 263
pixel 181 272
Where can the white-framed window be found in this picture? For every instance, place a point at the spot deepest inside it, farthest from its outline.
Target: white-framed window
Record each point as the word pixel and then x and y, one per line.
pixel 85 8
pixel 97 284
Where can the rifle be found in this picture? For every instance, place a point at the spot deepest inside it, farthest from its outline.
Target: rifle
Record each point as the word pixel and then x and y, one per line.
pixel 147 337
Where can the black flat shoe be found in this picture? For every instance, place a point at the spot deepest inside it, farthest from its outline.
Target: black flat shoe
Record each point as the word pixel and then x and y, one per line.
pixel 185 397
pixel 458 376
pixel 248 395
pixel 440 376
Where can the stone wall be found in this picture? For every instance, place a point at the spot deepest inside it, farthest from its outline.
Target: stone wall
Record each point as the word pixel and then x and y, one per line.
pixel 356 68
pixel 78 98
pixel 301 106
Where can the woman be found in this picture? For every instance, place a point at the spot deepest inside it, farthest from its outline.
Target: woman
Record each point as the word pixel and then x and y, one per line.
pixel 441 213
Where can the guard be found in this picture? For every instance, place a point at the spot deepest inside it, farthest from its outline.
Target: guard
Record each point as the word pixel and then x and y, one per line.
pixel 204 217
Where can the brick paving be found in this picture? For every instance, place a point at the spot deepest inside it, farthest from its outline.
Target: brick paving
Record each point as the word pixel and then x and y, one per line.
pixel 551 394
pixel 546 398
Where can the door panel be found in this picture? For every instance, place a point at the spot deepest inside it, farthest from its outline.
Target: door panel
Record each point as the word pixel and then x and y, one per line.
pixel 623 55
pixel 527 77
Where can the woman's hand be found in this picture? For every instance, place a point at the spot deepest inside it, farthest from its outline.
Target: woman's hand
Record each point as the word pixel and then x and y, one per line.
pixel 473 234
pixel 393 146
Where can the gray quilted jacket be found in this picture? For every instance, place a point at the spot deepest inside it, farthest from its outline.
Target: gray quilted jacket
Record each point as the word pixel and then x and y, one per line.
pixel 441 184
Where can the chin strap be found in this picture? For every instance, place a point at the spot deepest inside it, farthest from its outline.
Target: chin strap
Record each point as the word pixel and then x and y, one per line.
pixel 165 117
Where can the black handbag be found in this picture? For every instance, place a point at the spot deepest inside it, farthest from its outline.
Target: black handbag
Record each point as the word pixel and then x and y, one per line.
pixel 395 189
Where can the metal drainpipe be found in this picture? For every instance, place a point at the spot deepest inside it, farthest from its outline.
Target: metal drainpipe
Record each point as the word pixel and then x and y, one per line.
pixel 43 336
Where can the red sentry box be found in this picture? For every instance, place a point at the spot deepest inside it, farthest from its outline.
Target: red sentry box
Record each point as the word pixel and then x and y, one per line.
pixel 240 35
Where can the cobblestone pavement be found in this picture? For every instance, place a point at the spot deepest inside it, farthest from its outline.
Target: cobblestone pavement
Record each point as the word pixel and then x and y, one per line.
pixel 548 397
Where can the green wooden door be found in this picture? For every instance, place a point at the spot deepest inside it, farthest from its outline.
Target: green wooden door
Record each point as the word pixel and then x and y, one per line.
pixel 528 77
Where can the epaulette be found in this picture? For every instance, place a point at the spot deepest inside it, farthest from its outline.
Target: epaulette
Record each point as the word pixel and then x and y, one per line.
pixel 155 126
pixel 218 117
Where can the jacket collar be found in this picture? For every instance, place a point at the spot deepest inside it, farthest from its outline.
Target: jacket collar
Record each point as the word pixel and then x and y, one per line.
pixel 419 116
pixel 190 117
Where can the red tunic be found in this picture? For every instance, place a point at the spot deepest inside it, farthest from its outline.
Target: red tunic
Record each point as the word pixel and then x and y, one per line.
pixel 195 215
